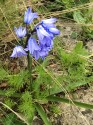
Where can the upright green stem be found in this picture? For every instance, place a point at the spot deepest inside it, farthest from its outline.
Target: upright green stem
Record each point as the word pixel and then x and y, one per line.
pixel 29 59
pixel 30 69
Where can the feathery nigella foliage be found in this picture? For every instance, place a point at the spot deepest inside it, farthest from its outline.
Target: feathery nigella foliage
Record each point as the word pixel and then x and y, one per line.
pixel 45 31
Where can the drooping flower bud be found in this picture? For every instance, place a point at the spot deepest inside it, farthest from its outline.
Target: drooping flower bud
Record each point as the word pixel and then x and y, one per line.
pixel 29 16
pixel 20 32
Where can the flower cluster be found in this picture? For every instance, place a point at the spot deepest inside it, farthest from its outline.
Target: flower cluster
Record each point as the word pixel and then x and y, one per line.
pixel 45 30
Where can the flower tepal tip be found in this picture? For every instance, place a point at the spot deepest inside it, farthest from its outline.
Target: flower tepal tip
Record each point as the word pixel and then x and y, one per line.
pixel 50 21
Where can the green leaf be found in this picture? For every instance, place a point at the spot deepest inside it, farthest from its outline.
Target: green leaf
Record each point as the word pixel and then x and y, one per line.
pixel 18 80
pixel 11 119
pixel 75 85
pixel 3 74
pixel 78 17
pixel 68 101
pixel 8 120
pixel 79 49
pixel 9 102
pixel 42 114
pixel 9 93
pixel 27 107
pixel 43 81
pixel 56 89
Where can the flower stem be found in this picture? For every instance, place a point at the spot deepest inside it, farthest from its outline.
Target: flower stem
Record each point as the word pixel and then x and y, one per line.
pixel 29 57
pixel 30 69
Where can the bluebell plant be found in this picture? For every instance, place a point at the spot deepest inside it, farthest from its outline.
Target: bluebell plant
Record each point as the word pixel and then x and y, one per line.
pixel 36 43
pixel 45 31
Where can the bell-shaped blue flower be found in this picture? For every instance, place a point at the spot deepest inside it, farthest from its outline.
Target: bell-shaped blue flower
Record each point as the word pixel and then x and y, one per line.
pixel 46 30
pixel 32 45
pixel 18 52
pixel 43 54
pixel 47 42
pixel 48 24
pixel 44 51
pixel 33 48
pixel 29 16
pixel 41 32
pixel 20 32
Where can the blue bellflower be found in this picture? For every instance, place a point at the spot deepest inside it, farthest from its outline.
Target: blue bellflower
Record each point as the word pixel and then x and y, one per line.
pixel 33 48
pixel 47 43
pixel 45 38
pixel 29 16
pixel 48 24
pixel 41 32
pixel 46 30
pixel 20 32
pixel 37 51
pixel 44 51
pixel 32 45
pixel 41 53
pixel 18 52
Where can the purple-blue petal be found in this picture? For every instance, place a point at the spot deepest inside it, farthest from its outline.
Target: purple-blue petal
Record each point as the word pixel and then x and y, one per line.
pixel 45 40
pixel 32 45
pixel 51 20
pixel 43 31
pixel 36 55
pixel 55 31
pixel 40 35
pixel 18 52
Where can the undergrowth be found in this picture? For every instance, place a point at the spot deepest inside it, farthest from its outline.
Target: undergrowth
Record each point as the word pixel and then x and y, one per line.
pixel 74 72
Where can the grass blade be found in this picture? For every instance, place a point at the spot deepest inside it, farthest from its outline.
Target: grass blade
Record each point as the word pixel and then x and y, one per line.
pixel 42 114
pixel 65 100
